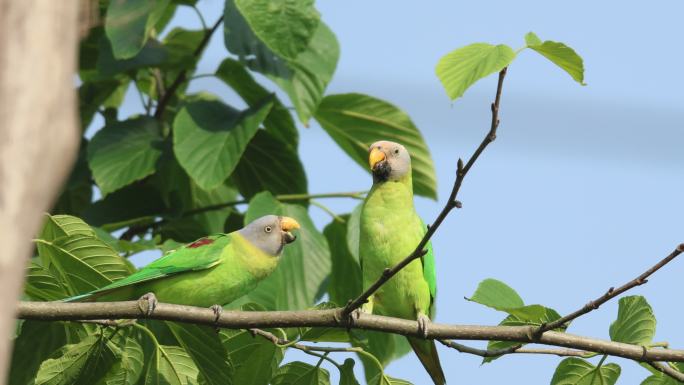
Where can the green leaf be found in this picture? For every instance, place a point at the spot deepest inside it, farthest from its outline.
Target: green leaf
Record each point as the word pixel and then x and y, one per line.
pixel 560 54
pixel 635 323
pixel 497 295
pixel 241 40
pixel 153 54
pixel 310 73
pixel 353 224
pixel 304 265
pixel 210 137
pixel 323 334
pixel 286 27
pixel 77 193
pixel 383 379
pixel 384 346
pixel 534 315
pixel 129 22
pixel 269 164
pixel 128 367
pixel 37 342
pixel 96 254
pixel 92 95
pixel 254 358
pixel 345 277
pixel 180 45
pixel 170 365
pixel 576 371
pixel 279 121
pixel 124 152
pixel 57 226
pixel 532 39
pixel 460 69
pixel 356 121
pixel 136 204
pixel 347 373
pixel 301 373
pixel 42 285
pixel 204 347
pixel 81 363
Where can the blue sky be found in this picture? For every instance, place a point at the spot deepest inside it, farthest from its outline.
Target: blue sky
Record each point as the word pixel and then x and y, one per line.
pixel 582 189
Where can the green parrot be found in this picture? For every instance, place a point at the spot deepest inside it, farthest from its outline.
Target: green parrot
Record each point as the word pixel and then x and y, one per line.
pixel 211 271
pixel 390 230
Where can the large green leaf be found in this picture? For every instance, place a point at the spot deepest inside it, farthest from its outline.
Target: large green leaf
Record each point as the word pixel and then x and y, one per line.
pixel 42 285
pixel 124 152
pixel 383 379
pixel 153 54
pixel 128 367
pixel 37 342
pixel 57 226
pixel 279 121
pixel 170 365
pixel 81 363
pixel 285 26
pixel 132 205
pixel 269 164
pixel 77 192
pixel 129 22
pixel 254 358
pixel 356 121
pixel 303 267
pixel 96 254
pixel 204 346
pixel 560 54
pixel 497 295
pixel 241 40
pixel 576 371
pixel 345 276
pixel 210 137
pixel 460 69
pixel 635 323
pixel 310 73
pixel 301 373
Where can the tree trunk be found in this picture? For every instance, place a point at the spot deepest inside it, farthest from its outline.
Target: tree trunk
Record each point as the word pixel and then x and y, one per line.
pixel 39 133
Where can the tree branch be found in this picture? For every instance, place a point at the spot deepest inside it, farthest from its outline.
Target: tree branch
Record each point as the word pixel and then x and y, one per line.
pixel 611 293
pixel 452 203
pixel 667 370
pixel 62 311
pixel 166 97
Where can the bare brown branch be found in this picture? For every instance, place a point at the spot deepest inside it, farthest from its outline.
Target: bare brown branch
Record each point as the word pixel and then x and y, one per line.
pixel 517 349
pixel 452 203
pixel 667 370
pixel 60 311
pixel 611 293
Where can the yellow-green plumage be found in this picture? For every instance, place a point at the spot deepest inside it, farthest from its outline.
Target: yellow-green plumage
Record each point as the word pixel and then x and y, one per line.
pixel 390 230
pixel 214 270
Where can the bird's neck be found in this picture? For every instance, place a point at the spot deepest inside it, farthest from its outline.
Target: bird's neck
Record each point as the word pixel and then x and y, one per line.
pixel 392 193
pixel 255 260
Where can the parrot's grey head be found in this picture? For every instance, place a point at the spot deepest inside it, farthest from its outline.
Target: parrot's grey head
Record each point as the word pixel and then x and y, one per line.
pixel 388 161
pixel 270 233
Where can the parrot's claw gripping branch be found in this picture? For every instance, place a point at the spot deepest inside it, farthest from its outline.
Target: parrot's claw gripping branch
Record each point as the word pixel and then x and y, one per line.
pixel 147 303
pixel 452 202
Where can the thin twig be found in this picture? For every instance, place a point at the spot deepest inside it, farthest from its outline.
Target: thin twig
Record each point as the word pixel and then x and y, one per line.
pixel 65 311
pixel 164 99
pixel 517 349
pixel 667 370
pixel 611 293
pixel 310 350
pixel 139 229
pixel 452 203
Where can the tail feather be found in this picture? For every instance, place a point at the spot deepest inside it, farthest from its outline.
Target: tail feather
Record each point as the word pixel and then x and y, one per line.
pixel 427 354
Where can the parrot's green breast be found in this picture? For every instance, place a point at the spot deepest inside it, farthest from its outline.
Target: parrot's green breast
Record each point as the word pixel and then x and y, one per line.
pixel 390 231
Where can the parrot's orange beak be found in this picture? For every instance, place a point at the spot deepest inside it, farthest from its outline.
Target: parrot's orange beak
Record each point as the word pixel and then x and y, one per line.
pixel 375 157
pixel 288 224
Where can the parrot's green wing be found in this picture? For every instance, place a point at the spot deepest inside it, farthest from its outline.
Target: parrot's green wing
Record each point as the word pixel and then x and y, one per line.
pixel 199 255
pixel 429 272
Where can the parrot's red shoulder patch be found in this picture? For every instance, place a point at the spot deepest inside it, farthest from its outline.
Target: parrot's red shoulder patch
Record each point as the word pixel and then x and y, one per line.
pixel 201 242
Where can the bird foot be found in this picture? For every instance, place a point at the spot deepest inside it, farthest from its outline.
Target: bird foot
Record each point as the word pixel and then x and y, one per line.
pixel 423 323
pixel 217 309
pixel 147 303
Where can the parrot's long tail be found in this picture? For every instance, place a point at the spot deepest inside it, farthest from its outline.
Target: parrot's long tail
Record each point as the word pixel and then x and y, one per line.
pixel 427 354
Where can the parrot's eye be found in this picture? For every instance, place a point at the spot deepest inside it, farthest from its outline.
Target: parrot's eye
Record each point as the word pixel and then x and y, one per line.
pixel 396 151
pixel 268 229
